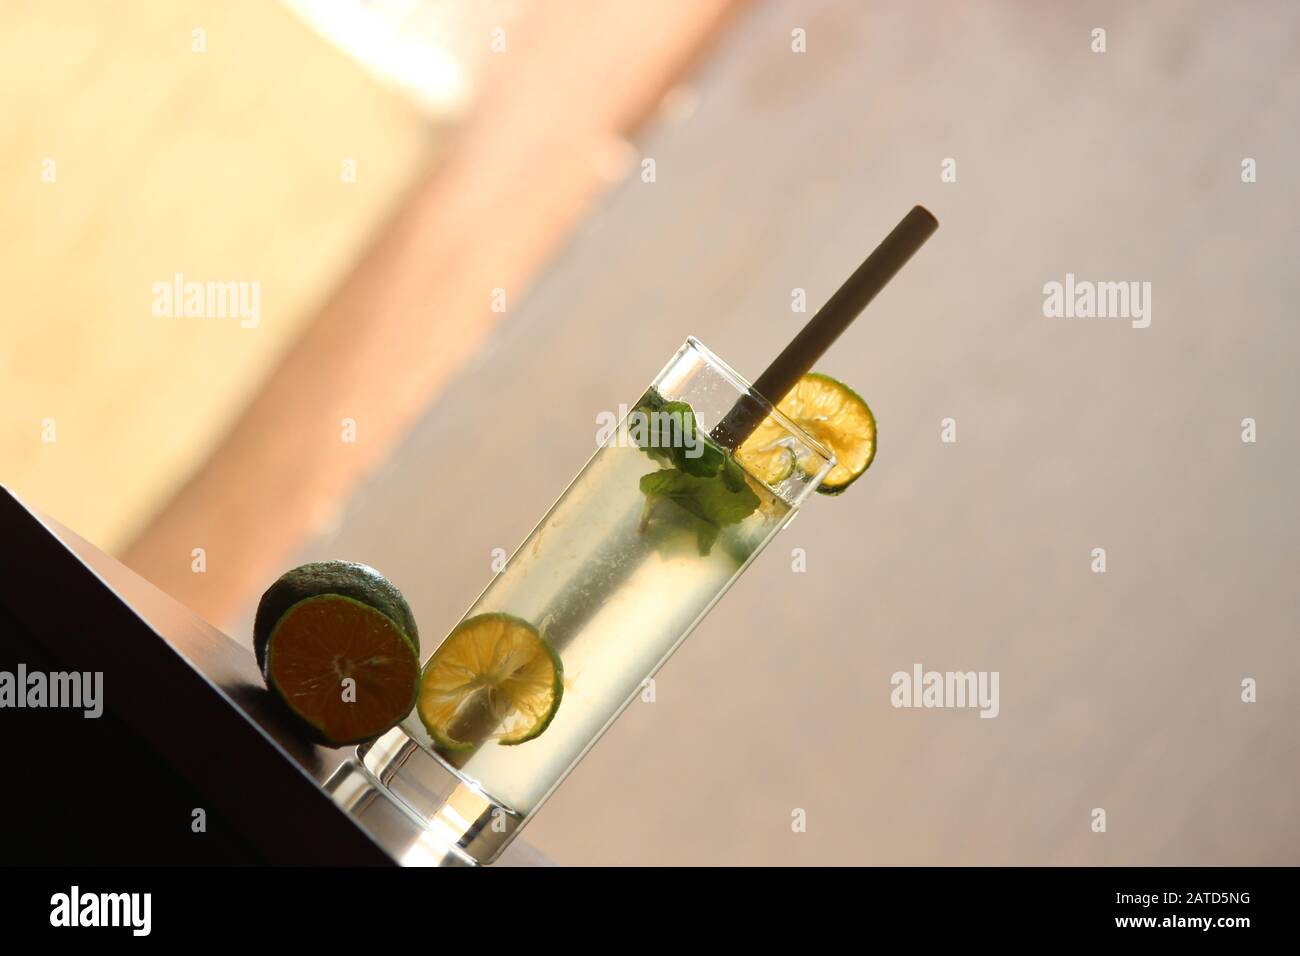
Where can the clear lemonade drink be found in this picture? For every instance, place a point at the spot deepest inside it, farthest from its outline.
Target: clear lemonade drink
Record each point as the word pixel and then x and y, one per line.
pixel 641 545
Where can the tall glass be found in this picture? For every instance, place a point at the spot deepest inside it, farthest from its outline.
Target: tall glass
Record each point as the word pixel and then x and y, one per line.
pixel 615 580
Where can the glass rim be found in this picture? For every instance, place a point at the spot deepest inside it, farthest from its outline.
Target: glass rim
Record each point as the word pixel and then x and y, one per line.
pixel 745 388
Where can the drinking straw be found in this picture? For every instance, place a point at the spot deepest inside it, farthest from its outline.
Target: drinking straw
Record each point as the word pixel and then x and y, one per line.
pixel 825 327
pixel 566 620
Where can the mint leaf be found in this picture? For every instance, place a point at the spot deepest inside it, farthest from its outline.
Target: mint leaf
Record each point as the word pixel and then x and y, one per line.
pixel 732 474
pixel 713 501
pixel 706 534
pixel 641 429
pixel 669 433
pixel 708 485
pixel 707 498
pixel 691 449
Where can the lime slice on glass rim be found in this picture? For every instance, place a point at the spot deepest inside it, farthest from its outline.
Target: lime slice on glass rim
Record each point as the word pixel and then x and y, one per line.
pixel 829 411
pixel 494 678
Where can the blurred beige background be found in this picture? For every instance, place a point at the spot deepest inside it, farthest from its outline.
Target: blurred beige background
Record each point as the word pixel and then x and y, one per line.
pixel 1118 691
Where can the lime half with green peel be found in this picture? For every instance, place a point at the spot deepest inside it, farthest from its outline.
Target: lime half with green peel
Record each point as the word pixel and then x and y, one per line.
pixel 348 578
pixel 337 643
pixel 345 669
pixel 494 678
pixel 830 412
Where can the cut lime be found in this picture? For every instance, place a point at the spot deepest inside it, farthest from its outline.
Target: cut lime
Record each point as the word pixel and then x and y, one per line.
pixel 769 453
pixel 830 412
pixel 345 669
pixel 357 581
pixel 494 677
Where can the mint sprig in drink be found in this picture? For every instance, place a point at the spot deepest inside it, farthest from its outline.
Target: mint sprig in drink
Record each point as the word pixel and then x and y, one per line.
pixel 645 540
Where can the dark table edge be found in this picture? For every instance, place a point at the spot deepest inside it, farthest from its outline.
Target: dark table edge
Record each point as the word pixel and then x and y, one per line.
pixel 196 727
